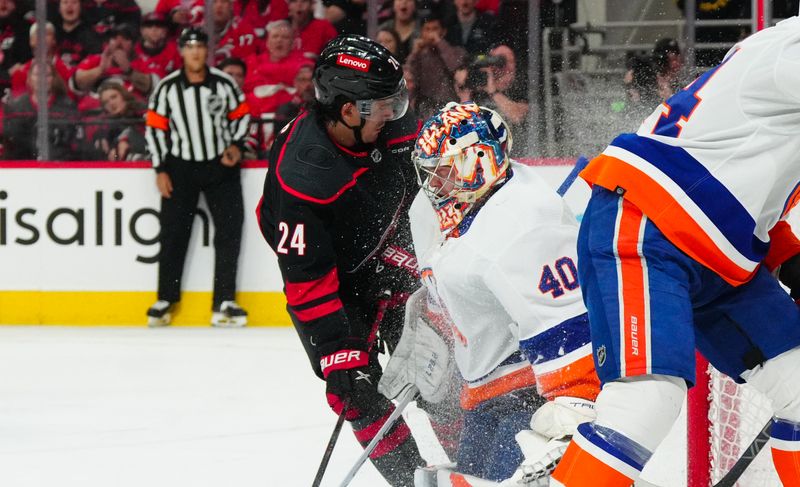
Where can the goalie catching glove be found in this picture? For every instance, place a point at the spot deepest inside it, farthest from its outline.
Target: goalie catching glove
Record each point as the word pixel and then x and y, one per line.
pixel 552 427
pixel 422 357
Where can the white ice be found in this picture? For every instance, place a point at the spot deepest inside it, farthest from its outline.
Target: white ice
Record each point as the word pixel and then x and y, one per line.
pixel 117 407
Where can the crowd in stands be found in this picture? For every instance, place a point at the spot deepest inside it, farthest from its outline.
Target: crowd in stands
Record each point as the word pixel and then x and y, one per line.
pixel 105 57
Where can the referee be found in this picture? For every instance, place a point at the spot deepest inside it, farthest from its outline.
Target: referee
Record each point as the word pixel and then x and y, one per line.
pixel 197 120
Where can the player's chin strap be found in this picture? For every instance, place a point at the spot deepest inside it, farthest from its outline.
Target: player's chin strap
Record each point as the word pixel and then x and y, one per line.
pixel 356 129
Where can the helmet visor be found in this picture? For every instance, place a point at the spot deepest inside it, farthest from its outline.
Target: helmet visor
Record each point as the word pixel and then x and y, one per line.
pixel 385 109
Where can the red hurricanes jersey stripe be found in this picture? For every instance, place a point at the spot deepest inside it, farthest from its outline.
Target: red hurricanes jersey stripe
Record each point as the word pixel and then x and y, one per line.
pixel 298 293
pixel 318 311
pixel 391 441
pixel 300 195
pixel 366 434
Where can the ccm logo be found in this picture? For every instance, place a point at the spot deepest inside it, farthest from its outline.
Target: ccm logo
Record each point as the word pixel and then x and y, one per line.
pixel 353 62
pixel 340 357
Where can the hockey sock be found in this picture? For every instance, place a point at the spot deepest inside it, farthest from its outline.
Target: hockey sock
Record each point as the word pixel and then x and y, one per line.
pixel 785 446
pixel 396 455
pixel 600 456
pixel 448 435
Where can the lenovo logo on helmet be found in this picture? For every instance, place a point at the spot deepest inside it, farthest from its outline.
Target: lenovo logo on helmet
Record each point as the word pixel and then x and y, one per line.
pixel 353 62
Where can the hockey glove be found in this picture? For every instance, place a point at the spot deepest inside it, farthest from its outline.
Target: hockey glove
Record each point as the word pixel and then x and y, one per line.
pixel 351 377
pixel 421 358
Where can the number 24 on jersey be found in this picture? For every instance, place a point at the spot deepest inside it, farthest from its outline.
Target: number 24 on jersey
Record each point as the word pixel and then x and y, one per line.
pixel 296 243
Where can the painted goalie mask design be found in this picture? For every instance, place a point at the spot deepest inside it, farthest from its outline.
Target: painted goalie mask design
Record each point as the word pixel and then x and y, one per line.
pixel 460 154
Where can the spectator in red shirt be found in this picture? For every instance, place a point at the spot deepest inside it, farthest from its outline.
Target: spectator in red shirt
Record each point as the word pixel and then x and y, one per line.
pixel 235 36
pixel 260 13
pixel 19 121
pixel 20 76
pixel 116 61
pixel 311 34
pixel 182 13
pixel 14 48
pixel 273 72
pixel 156 53
pixel 75 38
pixel 103 15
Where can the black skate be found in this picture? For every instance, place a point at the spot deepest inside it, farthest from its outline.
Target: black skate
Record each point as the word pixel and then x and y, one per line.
pixel 160 314
pixel 229 315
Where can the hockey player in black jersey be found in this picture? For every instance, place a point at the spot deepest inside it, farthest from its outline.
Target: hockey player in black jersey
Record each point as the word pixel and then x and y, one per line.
pixel 335 211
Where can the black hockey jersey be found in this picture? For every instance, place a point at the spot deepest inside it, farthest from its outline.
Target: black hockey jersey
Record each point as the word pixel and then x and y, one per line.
pixel 338 221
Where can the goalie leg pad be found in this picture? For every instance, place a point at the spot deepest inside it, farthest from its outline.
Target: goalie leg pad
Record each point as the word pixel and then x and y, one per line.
pixel 642 408
pixel 777 379
pixel 591 460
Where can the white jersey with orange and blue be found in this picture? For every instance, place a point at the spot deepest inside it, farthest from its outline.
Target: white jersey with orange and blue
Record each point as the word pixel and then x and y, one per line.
pixel 689 167
pixel 510 284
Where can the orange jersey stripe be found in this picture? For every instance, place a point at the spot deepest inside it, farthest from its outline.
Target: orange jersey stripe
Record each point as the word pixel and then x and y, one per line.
pixel 633 313
pixel 156 120
pixel 471 397
pixel 673 221
pixel 579 468
pixel 240 111
pixel 787 464
pixel 458 480
pixel 579 379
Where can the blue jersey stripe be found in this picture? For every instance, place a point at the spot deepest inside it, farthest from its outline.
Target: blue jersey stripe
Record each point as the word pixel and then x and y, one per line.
pixel 785 430
pixel 622 449
pixel 711 196
pixel 558 341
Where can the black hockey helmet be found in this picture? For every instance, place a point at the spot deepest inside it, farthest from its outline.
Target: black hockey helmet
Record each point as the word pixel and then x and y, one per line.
pixel 359 69
pixel 191 35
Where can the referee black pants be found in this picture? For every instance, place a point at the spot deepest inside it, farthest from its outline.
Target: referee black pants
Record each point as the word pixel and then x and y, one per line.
pixel 223 191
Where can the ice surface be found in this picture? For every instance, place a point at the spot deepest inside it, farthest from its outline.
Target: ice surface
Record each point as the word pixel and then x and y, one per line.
pixel 117 407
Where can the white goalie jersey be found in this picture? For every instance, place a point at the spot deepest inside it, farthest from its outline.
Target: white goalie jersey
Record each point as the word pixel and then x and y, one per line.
pixel 510 284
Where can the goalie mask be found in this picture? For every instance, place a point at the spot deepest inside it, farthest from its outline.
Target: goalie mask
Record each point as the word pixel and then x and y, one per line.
pixel 460 154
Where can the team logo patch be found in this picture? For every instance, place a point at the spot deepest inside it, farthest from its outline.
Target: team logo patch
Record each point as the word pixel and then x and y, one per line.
pixel 353 62
pixel 601 355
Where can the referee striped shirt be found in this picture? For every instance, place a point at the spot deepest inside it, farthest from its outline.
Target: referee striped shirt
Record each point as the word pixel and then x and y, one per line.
pixel 195 122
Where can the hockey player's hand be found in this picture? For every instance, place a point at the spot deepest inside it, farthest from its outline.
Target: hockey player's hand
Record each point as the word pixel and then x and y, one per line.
pixel 350 375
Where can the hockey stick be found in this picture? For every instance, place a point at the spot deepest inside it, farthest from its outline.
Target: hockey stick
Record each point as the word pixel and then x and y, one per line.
pixel 750 454
pixel 580 164
pixel 323 465
pixel 383 303
pixel 410 395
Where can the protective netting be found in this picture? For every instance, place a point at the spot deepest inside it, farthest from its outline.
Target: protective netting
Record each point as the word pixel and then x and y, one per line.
pixel 737 414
